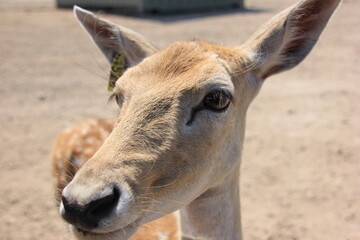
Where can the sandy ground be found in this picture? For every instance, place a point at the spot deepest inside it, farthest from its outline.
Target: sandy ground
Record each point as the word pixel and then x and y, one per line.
pixel 300 173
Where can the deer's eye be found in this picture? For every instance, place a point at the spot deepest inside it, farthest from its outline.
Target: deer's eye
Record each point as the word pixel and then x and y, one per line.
pixel 217 100
pixel 118 98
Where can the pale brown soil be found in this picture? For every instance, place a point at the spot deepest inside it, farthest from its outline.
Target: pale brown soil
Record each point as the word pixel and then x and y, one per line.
pixel 301 162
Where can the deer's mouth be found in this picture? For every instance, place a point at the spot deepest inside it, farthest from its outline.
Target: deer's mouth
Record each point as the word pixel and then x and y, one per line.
pixel 122 233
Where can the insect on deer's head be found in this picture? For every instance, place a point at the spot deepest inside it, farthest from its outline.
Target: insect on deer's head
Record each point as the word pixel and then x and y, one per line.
pixel 182 118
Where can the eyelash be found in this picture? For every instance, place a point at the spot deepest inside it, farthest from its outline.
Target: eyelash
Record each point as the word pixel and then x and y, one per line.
pixel 114 97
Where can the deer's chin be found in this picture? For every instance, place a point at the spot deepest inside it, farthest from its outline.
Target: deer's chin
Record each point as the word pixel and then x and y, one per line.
pixel 122 233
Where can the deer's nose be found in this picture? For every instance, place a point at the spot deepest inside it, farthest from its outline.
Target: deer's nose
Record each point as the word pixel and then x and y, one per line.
pixel 89 215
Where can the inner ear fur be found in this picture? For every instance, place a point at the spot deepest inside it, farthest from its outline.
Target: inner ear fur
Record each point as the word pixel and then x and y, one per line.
pixel 287 39
pixel 112 39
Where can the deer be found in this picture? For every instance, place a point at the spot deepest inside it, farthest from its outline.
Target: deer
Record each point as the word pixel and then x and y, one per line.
pixel 173 155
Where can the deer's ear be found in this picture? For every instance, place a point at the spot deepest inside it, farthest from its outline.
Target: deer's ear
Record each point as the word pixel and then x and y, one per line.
pixel 287 39
pixel 113 40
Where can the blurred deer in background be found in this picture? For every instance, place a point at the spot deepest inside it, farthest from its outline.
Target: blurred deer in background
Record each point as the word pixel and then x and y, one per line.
pixel 178 140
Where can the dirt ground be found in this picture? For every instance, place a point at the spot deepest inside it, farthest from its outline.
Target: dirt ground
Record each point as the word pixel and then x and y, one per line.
pixel 300 172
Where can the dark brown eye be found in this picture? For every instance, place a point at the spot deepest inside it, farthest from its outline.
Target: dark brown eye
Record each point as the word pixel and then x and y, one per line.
pixel 117 98
pixel 217 100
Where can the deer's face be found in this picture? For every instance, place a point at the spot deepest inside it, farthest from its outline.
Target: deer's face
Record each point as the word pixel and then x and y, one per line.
pixel 179 132
pixel 182 115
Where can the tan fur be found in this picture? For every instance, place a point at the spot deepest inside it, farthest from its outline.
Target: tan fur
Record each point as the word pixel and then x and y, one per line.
pixel 169 150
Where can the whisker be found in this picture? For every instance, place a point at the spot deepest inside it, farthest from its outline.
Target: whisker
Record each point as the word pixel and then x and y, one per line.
pixel 165 185
pixel 152 211
pixel 102 77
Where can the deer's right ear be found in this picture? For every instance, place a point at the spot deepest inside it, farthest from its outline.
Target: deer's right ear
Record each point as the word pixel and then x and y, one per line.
pixel 113 40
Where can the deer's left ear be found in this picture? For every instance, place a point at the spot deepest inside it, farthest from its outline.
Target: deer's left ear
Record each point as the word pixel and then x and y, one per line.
pixel 113 40
pixel 288 38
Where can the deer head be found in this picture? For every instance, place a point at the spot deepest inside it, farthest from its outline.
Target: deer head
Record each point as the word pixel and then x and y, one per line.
pixel 182 119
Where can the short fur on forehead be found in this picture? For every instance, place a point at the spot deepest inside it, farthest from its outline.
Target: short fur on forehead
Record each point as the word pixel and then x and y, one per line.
pixel 188 63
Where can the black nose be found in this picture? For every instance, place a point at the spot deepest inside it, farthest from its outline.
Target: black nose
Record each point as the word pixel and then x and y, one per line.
pixel 89 215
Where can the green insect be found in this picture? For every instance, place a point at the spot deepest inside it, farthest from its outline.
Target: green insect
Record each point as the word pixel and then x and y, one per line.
pixel 118 66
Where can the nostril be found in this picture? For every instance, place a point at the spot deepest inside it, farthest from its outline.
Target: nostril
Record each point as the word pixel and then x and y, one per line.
pixel 102 207
pixel 72 211
pixel 89 215
pixel 70 208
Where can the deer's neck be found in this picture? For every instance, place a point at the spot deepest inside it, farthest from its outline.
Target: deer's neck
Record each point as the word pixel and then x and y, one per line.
pixel 215 214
